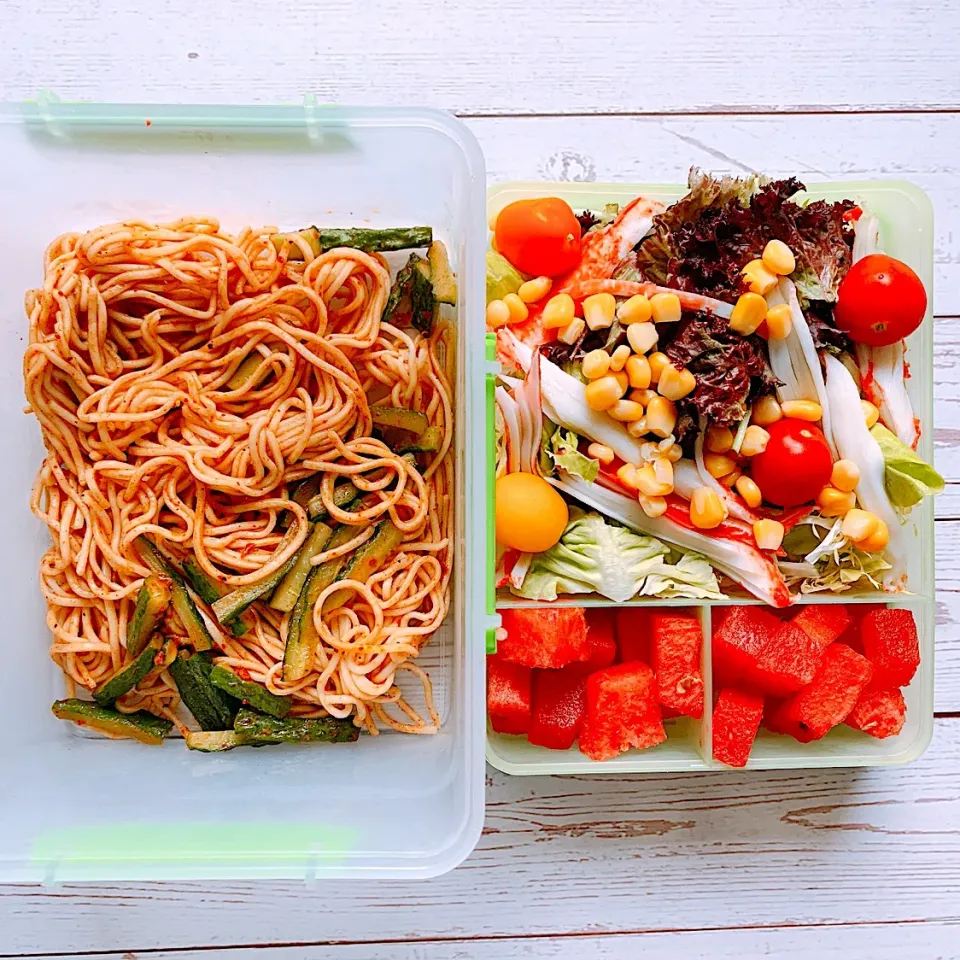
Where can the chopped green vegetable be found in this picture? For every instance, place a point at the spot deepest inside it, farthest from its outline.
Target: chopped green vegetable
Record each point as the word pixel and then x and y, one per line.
pixel 250 373
pixel 249 692
pixel 141 725
pixel 362 238
pixel 907 477
pixel 210 706
pixel 254 727
pixel 502 277
pixel 210 591
pixel 564 453
pixel 411 301
pixel 343 495
pixel 442 278
pixel 128 675
pixel 288 589
pixel 429 441
pixel 214 741
pixel 366 560
pixel 152 602
pixel 413 421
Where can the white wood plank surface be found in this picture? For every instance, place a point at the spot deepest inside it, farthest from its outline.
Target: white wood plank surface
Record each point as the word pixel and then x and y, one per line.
pixel 855 864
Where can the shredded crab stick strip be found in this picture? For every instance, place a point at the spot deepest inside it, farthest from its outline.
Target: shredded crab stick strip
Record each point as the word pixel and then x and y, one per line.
pixel 736 558
pixel 530 401
pixel 511 427
pixel 686 479
pixel 787 359
pixel 882 369
pixel 564 400
pixel 854 442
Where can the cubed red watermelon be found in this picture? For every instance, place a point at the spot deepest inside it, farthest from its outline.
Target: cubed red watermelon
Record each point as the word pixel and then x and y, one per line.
pixel 787 661
pixel 827 700
pixel 880 713
pixel 601 638
pixel 736 719
pixel 824 622
pixel 633 634
pixel 891 644
pixel 857 612
pixel 559 705
pixel 675 642
pixel 544 638
pixel 739 638
pixel 622 711
pixel 508 695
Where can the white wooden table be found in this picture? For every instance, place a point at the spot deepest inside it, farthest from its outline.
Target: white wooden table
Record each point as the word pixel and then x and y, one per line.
pixel 834 863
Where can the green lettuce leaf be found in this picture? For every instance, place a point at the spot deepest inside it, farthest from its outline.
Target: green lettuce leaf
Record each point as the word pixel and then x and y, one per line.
pixel 565 455
pixel 907 477
pixel 595 556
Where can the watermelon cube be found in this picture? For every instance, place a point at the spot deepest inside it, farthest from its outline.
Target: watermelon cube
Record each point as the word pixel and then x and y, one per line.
pixel 559 705
pixel 675 658
pixel 823 622
pixel 622 711
pixel 508 695
pixel 857 612
pixel 737 641
pixel 601 638
pixel 736 719
pixel 787 662
pixel 880 713
pixel 827 700
pixel 891 644
pixel 633 634
pixel 544 638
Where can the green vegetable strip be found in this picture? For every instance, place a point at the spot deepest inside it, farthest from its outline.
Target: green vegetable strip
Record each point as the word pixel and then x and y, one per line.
pixel 362 238
pixel 255 727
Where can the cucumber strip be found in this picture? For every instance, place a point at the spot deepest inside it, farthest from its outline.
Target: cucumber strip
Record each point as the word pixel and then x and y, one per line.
pixel 343 495
pixel 307 489
pixel 254 726
pixel 428 442
pixel 411 296
pixel 288 589
pixel 362 238
pixel 210 706
pixel 214 741
pixel 152 602
pixel 252 371
pixel 413 421
pixel 442 278
pixel 249 692
pixel 210 591
pixel 182 602
pixel 365 561
pixel 141 725
pixel 127 676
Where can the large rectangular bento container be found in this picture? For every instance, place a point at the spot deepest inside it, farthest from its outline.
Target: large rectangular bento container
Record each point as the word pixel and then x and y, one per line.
pixel 75 807
pixel 906 219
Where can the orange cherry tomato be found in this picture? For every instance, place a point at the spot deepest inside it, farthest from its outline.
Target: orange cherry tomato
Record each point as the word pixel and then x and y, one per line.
pixel 540 237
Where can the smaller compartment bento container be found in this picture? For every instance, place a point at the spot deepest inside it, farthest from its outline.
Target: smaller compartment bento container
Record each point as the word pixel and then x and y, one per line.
pixel 75 807
pixel 906 219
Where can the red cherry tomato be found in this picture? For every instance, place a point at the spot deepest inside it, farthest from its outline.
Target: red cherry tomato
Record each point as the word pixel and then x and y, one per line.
pixel 880 301
pixel 796 464
pixel 540 237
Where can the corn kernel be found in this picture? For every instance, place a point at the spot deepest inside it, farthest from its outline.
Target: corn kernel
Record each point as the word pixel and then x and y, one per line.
pixel 845 475
pixel 750 492
pixel 808 410
pixel 642 337
pixel 602 394
pixel 518 309
pixel 622 382
pixel 755 441
pixel 649 451
pixel 533 290
pixel 675 384
pixel 649 485
pixel 627 475
pixel 643 396
pixel 665 308
pixel 601 452
pixel 599 310
pixel 778 258
pixel 657 362
pixel 498 314
pixel 768 534
pixel 759 278
pixel 626 411
pixel 834 502
pixel 859 525
pixel 595 364
pixel 666 445
pixel 766 411
pixel 779 322
pixel 558 311
pixel 675 453
pixel 638 372
pixel 706 509
pixel 637 429
pixel 870 413
pixel 749 312
pixel 718 465
pixel 718 439
pixel 663 470
pixel 635 310
pixel 573 331
pixel 730 480
pixel 619 357
pixel 661 417
pixel 653 507
pixel 877 540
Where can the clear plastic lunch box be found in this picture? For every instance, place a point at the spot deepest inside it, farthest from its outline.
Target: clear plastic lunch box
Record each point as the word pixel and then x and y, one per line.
pixel 75 807
pixel 906 218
